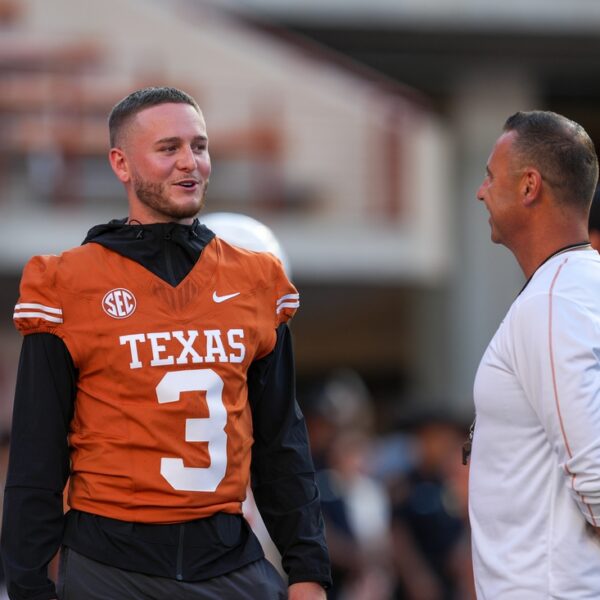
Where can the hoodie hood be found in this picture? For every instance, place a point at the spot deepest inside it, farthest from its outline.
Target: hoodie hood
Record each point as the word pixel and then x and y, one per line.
pixel 169 250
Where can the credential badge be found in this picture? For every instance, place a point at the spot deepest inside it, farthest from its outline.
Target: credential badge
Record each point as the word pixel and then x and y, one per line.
pixel 119 303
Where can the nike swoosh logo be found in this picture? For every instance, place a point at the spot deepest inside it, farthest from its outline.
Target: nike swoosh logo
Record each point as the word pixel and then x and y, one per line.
pixel 219 299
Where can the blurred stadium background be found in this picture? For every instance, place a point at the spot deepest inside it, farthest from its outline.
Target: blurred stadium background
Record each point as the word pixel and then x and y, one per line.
pixel 358 132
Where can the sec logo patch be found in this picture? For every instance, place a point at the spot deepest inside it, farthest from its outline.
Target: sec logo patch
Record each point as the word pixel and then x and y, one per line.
pixel 119 303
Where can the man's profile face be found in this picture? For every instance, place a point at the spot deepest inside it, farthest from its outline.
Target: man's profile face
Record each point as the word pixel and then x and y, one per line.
pixel 499 189
pixel 166 149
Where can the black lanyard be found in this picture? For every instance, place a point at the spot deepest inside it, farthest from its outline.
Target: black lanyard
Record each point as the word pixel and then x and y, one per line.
pixel 578 245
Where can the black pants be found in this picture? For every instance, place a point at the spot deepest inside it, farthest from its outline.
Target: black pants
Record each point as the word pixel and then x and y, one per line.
pixel 81 578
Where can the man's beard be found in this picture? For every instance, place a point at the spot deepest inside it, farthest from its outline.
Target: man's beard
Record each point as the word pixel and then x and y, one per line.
pixel 153 196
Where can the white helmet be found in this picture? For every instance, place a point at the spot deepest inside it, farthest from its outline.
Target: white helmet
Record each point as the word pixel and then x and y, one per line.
pixel 246 232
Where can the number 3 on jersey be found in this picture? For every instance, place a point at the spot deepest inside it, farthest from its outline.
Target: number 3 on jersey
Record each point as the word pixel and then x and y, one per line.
pixel 210 429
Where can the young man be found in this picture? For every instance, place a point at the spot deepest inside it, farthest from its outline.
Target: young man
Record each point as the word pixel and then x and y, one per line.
pixel 535 467
pixel 157 373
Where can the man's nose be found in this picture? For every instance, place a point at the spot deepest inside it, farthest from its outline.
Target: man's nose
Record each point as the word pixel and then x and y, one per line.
pixel 186 161
pixel 481 191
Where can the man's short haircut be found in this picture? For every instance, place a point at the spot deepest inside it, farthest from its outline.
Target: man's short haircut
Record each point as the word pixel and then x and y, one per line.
pixel 129 106
pixel 561 150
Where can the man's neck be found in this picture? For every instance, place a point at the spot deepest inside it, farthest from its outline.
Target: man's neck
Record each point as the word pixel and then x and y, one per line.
pixel 535 251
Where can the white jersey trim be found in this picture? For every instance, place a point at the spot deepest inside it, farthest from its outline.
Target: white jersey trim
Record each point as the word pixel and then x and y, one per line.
pixel 48 309
pixel 43 312
pixel 288 301
pixel 287 305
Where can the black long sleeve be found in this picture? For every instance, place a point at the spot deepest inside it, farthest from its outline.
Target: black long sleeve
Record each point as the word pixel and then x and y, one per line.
pixel 283 478
pixel 38 468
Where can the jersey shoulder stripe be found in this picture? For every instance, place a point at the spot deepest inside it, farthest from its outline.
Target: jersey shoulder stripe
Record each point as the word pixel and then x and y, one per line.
pixel 39 308
pixel 288 301
pixel 24 310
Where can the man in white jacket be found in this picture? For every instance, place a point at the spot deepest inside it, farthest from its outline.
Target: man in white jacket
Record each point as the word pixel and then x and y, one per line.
pixel 535 467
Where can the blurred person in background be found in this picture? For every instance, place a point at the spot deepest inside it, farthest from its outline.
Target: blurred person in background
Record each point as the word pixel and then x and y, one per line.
pixel 157 373
pixel 357 511
pixel 534 486
pixel 355 503
pixel 430 532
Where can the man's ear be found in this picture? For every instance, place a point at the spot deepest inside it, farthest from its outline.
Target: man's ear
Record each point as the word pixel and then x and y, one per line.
pixel 531 186
pixel 119 164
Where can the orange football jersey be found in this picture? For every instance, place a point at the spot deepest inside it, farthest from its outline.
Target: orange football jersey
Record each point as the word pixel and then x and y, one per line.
pixel 162 428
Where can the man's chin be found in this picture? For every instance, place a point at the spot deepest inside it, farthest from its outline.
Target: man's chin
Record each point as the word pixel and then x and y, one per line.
pixel 186 210
pixel 493 233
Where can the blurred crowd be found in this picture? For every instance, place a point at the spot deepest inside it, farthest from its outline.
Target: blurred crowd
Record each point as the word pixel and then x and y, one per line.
pixel 395 504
